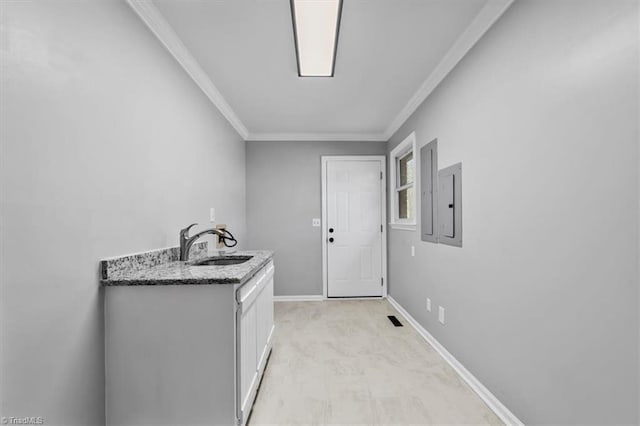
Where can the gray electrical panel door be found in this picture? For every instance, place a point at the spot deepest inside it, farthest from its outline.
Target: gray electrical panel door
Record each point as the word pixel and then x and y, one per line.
pixel 447 191
pixel 428 191
pixel 450 205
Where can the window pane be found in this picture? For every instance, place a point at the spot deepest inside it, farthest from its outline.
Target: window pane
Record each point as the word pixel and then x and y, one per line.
pixel 405 165
pixel 406 199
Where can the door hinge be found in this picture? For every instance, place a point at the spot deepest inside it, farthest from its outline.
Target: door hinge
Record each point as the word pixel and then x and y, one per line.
pixel 381 229
pixel 380 175
pixel 381 282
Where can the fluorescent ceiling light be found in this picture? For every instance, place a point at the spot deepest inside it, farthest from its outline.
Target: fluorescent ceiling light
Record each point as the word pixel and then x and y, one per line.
pixel 315 28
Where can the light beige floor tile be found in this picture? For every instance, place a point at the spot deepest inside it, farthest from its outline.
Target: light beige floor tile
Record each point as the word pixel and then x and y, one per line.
pixel 342 362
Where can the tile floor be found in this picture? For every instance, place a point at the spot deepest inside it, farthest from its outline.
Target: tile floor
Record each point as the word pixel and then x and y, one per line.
pixel 343 362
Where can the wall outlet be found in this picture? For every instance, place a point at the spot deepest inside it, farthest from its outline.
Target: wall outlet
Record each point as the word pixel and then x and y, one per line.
pixel 441 314
pixel 212 214
pixel 413 251
pixel 315 222
pixel 428 304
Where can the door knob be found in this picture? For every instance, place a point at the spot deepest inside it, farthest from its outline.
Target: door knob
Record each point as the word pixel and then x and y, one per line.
pixel 331 239
pixel 330 229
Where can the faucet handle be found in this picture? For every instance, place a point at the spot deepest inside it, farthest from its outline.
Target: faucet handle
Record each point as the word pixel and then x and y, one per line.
pixel 185 232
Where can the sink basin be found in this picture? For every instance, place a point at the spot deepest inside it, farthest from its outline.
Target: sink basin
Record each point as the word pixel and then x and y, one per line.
pixel 221 260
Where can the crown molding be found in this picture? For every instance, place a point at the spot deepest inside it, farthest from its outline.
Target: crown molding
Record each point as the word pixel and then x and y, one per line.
pixel 487 16
pixel 344 137
pixel 152 17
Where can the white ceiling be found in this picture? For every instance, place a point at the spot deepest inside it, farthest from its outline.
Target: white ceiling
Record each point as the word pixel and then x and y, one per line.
pixel 391 54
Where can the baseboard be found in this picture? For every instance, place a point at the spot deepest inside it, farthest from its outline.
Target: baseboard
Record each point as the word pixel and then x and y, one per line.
pixel 311 298
pixel 490 399
pixel 356 298
pixel 319 298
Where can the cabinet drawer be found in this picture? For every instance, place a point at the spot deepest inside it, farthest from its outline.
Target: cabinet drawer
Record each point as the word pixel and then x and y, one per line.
pixel 269 268
pixel 258 280
pixel 247 289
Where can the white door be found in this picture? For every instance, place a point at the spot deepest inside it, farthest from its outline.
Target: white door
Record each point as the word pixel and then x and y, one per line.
pixel 354 218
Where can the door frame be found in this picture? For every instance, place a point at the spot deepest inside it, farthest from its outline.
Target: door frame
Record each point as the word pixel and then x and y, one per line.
pixel 382 159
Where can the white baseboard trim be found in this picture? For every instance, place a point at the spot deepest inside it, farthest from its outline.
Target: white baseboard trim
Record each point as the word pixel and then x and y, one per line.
pixel 312 298
pixel 329 299
pixel 320 298
pixel 490 399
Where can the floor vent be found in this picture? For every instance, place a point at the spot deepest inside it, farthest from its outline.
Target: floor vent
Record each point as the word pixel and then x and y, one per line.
pixel 394 320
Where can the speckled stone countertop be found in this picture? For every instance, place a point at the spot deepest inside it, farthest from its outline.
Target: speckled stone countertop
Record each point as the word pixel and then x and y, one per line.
pixel 161 267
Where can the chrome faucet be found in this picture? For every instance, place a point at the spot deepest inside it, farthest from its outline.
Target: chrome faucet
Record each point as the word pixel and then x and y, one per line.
pixel 186 241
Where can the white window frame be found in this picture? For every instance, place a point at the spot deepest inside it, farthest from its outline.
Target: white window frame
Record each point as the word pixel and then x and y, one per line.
pixel 403 148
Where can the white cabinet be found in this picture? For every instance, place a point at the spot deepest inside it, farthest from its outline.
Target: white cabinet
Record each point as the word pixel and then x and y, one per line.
pixel 264 306
pixel 255 329
pixel 187 354
pixel 248 358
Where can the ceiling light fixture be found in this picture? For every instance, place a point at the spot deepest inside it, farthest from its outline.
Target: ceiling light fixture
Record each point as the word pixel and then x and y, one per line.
pixel 316 24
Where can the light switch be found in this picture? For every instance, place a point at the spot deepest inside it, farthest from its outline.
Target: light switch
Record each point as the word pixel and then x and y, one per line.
pixel 441 314
pixel 315 222
pixel 212 214
pixel 413 251
pixel 428 304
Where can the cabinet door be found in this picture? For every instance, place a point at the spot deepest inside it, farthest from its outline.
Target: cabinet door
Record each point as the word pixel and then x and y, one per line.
pixel 265 319
pixel 269 306
pixel 248 357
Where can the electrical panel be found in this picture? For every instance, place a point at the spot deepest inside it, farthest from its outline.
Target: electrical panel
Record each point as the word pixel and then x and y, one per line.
pixel 428 192
pixel 450 205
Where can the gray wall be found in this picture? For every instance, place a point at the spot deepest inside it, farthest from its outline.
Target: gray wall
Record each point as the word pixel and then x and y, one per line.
pixel 542 300
pixel 108 148
pixel 283 195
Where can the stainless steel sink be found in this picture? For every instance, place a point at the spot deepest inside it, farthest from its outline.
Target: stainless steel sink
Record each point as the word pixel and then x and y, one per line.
pixel 221 260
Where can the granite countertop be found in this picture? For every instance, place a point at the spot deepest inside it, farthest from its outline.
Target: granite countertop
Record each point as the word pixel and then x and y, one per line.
pixel 161 267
